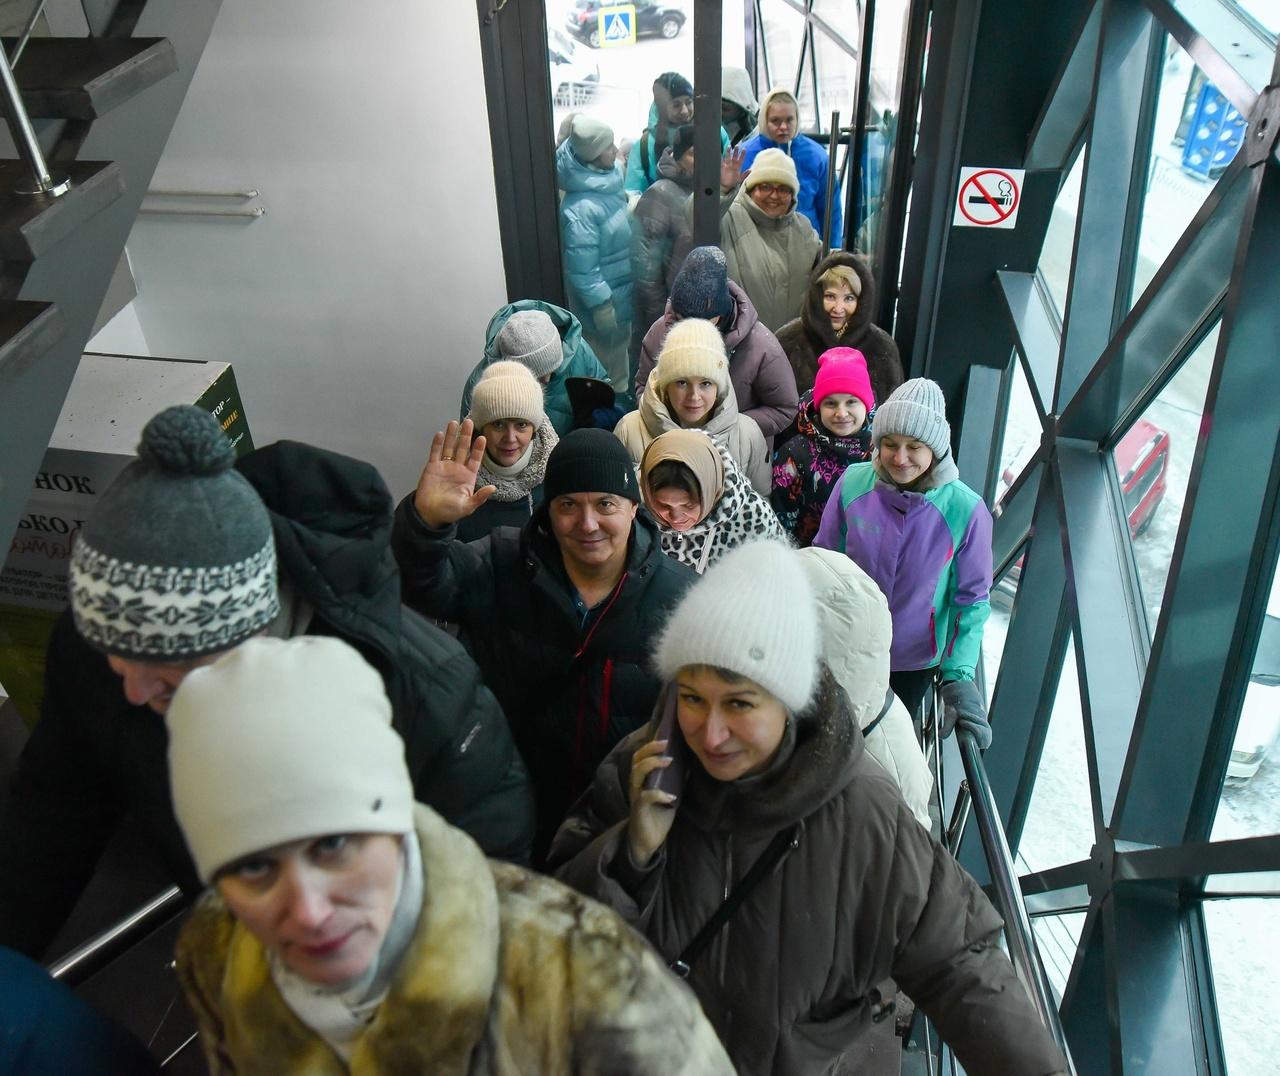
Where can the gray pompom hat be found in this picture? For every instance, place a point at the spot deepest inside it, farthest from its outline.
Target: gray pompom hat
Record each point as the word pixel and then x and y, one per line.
pixel 177 560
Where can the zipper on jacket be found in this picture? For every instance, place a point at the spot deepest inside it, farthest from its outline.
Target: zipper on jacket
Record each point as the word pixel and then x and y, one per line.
pixel 952 645
pixel 933 633
pixel 606 693
pixel 723 940
pixel 617 592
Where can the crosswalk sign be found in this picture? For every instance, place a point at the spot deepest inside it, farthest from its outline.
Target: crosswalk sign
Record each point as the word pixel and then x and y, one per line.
pixel 617 25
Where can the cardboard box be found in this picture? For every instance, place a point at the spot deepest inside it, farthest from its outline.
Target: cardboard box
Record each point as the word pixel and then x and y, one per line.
pixel 111 398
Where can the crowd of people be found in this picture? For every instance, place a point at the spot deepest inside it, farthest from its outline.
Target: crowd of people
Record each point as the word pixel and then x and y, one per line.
pixel 596 753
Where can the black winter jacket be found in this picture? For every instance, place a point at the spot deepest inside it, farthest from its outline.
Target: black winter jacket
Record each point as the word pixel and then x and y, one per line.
pixel 570 691
pixel 93 757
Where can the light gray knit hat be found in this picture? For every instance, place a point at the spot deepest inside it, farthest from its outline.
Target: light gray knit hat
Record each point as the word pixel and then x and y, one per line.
pixel 507 390
pixel 531 337
pixel 754 614
pixel 177 560
pixel 589 137
pixel 916 409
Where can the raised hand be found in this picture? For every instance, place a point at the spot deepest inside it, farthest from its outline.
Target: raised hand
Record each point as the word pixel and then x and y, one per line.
pixel 731 168
pixel 447 490
pixel 652 811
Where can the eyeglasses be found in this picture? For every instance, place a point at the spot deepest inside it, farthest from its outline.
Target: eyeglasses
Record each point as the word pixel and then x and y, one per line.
pixel 771 190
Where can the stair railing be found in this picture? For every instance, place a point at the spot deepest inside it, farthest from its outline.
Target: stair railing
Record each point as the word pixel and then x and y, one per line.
pixel 102 949
pixel 40 179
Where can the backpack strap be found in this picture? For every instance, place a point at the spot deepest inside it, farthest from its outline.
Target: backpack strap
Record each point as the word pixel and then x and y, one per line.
pixel 644 152
pixel 783 842
pixel 889 698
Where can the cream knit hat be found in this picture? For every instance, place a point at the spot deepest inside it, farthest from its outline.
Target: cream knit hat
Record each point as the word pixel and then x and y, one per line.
pixel 753 613
pixel 282 740
pixel 693 349
pixel 773 166
pixel 507 390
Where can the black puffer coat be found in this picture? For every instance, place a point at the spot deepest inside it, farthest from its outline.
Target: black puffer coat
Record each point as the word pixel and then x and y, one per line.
pixel 93 757
pixel 808 336
pixel 866 895
pixel 570 690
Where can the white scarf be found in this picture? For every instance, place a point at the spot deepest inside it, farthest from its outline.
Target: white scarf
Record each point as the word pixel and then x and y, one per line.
pixel 340 1014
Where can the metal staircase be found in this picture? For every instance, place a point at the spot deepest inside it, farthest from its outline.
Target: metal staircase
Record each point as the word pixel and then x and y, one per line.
pixel 99 102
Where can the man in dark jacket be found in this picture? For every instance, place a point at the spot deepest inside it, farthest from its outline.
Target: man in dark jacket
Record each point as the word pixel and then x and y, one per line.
pixel 178 565
pixel 559 614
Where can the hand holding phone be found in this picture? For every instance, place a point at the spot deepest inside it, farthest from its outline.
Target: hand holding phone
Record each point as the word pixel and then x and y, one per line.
pixel 671 777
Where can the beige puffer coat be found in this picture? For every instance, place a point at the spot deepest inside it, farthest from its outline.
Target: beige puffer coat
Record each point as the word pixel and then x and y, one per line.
pixel 856 631
pixel 737 433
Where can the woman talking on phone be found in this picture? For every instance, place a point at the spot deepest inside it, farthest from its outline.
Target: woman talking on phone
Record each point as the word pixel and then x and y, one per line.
pixel 771 862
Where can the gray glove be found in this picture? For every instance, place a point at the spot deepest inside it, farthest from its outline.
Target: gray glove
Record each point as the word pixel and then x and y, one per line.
pixel 606 321
pixel 962 705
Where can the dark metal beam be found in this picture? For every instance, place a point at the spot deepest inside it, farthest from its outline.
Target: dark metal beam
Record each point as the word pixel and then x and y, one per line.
pixel 1192 862
pixel 1036 333
pixel 707 75
pixel 1109 621
pixel 1227 74
pixel 1057 131
pixel 1160 328
pixel 977 453
pixel 1013 514
pixel 1110 196
pixel 1086 1014
pixel 1219 576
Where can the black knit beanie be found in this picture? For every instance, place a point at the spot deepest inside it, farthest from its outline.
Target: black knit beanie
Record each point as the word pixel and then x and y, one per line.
pixel 675 84
pixel 701 288
pixel 681 140
pixel 590 461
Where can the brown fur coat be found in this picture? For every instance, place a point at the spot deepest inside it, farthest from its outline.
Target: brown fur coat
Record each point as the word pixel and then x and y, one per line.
pixel 508 973
pixel 808 336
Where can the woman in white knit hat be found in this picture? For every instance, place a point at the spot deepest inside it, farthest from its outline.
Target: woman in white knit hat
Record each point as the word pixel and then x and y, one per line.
pixel 507 408
pixel 925 537
pixel 783 876
pixel 769 247
pixel 689 388
pixel 352 930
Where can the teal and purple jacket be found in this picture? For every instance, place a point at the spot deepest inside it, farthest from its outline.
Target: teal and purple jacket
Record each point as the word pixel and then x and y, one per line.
pixel 929 551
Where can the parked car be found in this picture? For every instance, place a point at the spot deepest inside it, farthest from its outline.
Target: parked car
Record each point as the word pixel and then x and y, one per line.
pixel 1142 462
pixel 573 78
pixel 652 20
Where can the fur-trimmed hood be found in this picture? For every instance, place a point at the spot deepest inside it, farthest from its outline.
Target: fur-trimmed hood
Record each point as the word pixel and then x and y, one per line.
pixel 508 972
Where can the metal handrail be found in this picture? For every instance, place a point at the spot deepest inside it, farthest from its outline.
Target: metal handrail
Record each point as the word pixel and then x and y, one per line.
pixel 251 192
pixel 25 36
pixel 100 950
pixel 42 181
pixel 174 211
pixel 1023 950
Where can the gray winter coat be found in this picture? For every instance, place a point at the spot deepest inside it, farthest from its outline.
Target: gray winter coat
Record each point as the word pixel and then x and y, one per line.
pixel 771 257
pixel 864 896
pixel 658 220
pixel 758 367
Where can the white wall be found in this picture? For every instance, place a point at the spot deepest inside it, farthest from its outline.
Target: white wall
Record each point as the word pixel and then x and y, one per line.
pixel 354 309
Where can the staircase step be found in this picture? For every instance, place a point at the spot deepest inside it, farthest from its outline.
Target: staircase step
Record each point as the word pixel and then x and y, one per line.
pixel 27 331
pixel 31 224
pixel 82 78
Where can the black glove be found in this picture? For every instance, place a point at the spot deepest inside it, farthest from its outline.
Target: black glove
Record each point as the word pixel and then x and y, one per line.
pixel 962 705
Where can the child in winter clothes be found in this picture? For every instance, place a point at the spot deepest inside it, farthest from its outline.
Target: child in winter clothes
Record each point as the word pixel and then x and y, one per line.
pixel 924 536
pixel 835 422
pixel 703 504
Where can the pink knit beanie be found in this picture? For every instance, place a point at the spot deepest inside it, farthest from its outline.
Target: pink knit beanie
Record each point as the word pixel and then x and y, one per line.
pixel 843 369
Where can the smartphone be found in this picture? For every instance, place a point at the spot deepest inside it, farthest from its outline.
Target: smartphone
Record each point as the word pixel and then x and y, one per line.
pixel 671 778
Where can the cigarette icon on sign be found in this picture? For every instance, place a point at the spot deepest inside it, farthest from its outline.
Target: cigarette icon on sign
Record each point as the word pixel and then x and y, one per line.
pixel 1002 196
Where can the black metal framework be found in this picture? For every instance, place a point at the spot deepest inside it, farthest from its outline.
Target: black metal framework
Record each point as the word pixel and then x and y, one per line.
pixel 1159 702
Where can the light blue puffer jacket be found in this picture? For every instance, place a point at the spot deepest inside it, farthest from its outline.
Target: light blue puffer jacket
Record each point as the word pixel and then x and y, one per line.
pixel 595 233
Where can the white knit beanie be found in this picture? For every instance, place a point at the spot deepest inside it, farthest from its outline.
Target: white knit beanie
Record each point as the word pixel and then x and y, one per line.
pixel 754 614
pixel 507 390
pixel 283 740
pixel 915 409
pixel 773 166
pixel 530 337
pixel 693 349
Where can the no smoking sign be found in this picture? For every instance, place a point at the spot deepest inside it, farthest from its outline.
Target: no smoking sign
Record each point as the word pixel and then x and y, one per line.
pixel 988 197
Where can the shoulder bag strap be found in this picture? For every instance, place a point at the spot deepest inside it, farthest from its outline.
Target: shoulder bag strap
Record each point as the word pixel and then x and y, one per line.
pixel 781 844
